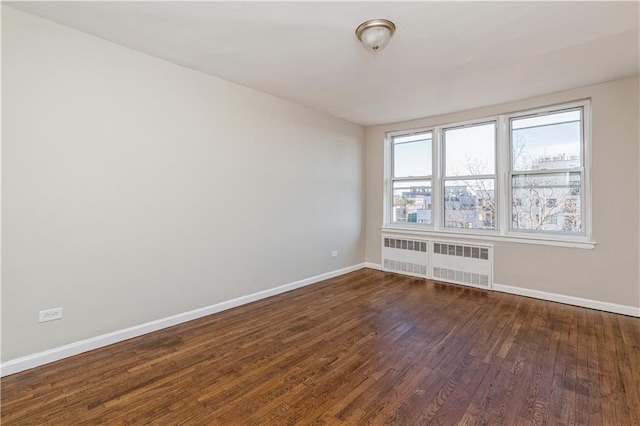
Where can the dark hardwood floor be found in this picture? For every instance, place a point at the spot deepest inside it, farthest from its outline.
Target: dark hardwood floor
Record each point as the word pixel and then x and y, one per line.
pixel 364 348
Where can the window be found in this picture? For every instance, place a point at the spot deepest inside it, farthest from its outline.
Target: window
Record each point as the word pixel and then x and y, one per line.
pixel 469 177
pixel 547 171
pixel 517 175
pixel 411 178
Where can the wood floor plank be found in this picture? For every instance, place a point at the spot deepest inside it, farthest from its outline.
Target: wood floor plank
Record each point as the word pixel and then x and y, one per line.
pixel 364 348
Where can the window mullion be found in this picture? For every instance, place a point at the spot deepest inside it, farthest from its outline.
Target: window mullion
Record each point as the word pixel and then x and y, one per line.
pixel 503 169
pixel 437 206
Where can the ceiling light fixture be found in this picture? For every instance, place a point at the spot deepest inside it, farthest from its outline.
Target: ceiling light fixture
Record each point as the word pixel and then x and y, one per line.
pixel 375 34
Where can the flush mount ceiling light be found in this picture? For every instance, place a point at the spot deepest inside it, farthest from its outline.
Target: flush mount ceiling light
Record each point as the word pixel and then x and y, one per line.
pixel 375 34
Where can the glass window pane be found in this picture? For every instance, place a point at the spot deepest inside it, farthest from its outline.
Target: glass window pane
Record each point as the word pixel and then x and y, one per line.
pixel 412 155
pixel 470 150
pixel 547 202
pixel 547 142
pixel 470 204
pixel 412 201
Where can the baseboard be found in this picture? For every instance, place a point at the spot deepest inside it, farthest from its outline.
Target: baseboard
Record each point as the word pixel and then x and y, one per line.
pixel 35 360
pixel 554 297
pixel 570 300
pixel 375 266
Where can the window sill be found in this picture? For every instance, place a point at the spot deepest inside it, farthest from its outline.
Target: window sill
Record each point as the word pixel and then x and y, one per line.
pixel 491 236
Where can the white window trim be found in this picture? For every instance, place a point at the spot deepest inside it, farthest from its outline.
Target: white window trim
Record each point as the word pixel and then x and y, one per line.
pixel 388 174
pixel 503 230
pixel 585 149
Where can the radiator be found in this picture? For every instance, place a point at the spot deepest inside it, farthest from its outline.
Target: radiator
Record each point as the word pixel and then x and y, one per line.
pixel 462 263
pixel 457 262
pixel 409 256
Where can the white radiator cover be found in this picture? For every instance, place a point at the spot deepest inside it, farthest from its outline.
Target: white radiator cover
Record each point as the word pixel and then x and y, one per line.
pixel 459 262
pixel 405 255
pixel 462 263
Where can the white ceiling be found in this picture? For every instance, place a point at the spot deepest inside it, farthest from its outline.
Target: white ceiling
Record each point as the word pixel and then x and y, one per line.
pixel 444 57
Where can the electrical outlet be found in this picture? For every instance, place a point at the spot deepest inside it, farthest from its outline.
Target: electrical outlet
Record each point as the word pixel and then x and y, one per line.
pixel 50 315
pixel 334 253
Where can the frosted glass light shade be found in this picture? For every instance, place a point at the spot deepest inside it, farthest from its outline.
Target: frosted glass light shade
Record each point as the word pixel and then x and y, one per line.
pixel 375 34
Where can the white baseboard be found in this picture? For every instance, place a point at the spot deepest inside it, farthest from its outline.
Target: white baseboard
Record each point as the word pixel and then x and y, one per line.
pixel 375 266
pixel 570 300
pixel 554 297
pixel 35 360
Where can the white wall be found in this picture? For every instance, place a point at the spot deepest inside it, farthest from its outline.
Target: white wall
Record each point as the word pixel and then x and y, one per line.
pixel 608 273
pixel 135 189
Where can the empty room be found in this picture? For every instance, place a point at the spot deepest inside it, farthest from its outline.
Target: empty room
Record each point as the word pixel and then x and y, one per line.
pixel 270 213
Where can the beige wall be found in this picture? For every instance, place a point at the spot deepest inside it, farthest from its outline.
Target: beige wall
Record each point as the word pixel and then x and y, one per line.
pixel 135 189
pixel 609 273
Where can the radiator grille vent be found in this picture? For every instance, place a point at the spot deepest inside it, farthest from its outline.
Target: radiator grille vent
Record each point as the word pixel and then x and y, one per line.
pixel 461 250
pixel 398 266
pixel 402 244
pixel 461 276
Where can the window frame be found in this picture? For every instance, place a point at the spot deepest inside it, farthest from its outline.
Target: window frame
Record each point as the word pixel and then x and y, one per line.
pixel 443 177
pixel 503 182
pixel 392 179
pixel 585 159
